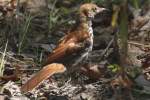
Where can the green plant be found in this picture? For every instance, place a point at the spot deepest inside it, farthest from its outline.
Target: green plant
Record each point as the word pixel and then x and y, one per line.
pixel 23 32
pixel 135 3
pixel 54 15
pixel 3 60
pixel 53 18
pixel 114 68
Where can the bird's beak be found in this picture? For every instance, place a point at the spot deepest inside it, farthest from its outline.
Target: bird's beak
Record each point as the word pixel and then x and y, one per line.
pixel 101 10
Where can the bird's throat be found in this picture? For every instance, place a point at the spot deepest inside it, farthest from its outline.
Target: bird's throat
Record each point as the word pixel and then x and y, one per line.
pixel 86 25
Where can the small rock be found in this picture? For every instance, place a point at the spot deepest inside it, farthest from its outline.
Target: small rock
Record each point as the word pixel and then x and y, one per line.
pixel 84 96
pixel 19 98
pixel 142 81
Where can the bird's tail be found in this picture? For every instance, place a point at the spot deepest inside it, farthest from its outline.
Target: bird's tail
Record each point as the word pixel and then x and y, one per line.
pixel 42 75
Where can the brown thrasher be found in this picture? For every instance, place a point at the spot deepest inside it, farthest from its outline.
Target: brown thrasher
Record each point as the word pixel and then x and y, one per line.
pixel 75 46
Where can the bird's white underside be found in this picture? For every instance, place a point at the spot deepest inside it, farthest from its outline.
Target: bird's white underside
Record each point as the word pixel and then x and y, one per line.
pixel 89 49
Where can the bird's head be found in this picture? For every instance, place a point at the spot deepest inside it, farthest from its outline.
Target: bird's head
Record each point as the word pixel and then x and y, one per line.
pixel 89 10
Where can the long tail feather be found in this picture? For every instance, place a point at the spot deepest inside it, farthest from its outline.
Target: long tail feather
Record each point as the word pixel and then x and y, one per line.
pixel 42 75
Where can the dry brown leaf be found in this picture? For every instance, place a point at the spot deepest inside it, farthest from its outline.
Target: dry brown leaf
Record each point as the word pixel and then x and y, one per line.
pixel 93 71
pixel 145 60
pixel 15 76
pixel 42 75
pixel 122 86
pixel 122 80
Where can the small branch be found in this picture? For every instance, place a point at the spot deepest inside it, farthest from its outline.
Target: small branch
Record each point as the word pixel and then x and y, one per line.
pixel 139 44
pixel 106 49
pixel 13 58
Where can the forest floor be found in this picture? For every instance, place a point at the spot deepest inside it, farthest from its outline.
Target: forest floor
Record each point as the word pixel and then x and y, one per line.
pixel 29 33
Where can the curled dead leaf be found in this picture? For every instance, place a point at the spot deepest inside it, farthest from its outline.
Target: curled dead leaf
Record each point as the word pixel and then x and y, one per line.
pixel 123 81
pixel 15 76
pixel 145 60
pixel 93 71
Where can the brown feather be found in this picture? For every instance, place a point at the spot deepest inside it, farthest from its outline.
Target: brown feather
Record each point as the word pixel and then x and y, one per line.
pixel 73 47
pixel 68 45
pixel 42 75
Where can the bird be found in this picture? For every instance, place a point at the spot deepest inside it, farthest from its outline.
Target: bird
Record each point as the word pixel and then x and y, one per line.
pixel 78 42
pixel 74 47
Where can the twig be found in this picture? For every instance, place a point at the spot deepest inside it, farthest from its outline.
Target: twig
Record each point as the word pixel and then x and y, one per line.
pixel 141 91
pixel 139 44
pixel 17 8
pixel 24 69
pixel 3 60
pixel 106 49
pixel 12 58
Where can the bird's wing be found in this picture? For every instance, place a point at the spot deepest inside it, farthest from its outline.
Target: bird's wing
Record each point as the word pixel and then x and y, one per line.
pixel 63 50
pixel 72 43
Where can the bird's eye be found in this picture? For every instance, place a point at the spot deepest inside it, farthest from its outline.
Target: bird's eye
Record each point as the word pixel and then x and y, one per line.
pixel 94 9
